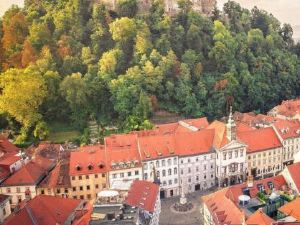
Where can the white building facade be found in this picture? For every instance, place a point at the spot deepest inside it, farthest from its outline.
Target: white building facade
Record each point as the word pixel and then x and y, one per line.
pixel 197 172
pixel 166 170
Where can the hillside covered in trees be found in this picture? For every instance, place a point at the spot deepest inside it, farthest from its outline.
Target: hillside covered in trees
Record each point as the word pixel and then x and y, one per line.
pixel 70 60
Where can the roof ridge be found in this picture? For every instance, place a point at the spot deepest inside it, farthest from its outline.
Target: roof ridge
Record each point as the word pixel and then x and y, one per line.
pixel 30 214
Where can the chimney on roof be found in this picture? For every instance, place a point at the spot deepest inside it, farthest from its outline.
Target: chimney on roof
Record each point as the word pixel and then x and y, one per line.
pixel 231 127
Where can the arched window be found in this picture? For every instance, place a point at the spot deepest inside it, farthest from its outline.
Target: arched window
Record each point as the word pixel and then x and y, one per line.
pixel 169 172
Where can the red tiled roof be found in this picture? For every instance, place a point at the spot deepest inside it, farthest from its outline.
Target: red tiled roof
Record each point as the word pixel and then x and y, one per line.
pixel 59 176
pixel 223 204
pixel 242 127
pixel 260 139
pixel 4 172
pixel 45 163
pixel 245 118
pixel 84 216
pixel 222 209
pixel 44 210
pixel 7 147
pixel 81 160
pixel 235 191
pixel 294 171
pixel 220 138
pixel 194 143
pixel 29 174
pixel 158 146
pixel 288 128
pixel 288 108
pixel 121 148
pixel 8 160
pixel 200 123
pixel 292 209
pixel 142 194
pixel 260 218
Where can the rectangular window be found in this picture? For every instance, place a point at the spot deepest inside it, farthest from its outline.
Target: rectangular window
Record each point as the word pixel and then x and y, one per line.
pixel 114 175
pixel 80 188
pixel 121 175
pixel 81 197
pixel 18 190
pixel 88 187
pixel 96 186
pixel 136 172
pixel 87 177
pixel 4 211
pixel 129 174
pixel 8 190
pixel 74 188
pixel 89 196
pixel 103 174
pixel 80 177
pixel 96 175
pixel 73 178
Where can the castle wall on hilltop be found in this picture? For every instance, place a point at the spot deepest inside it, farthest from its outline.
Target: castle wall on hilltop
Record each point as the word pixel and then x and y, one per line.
pixel 202 6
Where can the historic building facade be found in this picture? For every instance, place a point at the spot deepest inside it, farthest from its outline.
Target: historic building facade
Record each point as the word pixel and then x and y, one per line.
pixel 88 173
pixel 231 164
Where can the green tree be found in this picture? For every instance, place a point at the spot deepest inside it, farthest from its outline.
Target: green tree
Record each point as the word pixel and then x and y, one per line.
pixel 23 105
pixel 41 131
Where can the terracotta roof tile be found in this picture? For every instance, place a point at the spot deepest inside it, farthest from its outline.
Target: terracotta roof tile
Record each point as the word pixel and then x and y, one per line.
pixel 9 159
pixel 142 194
pixel 121 149
pixel 220 138
pixel 44 210
pixel 294 171
pixel 259 217
pixel 260 139
pixel 158 146
pixel 292 209
pixel 199 142
pixel 89 161
pixel 31 173
pixel 288 108
pixel 223 210
pixel 7 147
pixel 58 177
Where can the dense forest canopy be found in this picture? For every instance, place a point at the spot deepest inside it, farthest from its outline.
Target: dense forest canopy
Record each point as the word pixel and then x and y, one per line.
pixel 72 60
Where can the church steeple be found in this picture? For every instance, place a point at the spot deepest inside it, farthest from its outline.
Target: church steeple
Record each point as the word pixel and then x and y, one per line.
pixel 231 127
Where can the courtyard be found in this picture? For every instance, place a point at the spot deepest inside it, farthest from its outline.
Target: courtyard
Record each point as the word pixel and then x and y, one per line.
pixel 170 217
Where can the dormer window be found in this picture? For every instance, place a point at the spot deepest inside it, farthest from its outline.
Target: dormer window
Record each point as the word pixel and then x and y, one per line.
pixel 78 167
pixel 271 185
pixel 90 166
pixel 101 165
pixel 260 187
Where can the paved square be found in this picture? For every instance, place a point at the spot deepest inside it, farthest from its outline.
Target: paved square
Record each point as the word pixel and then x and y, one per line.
pixel 169 217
